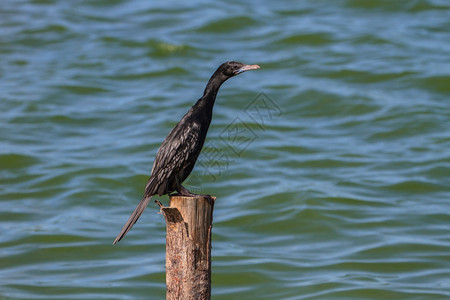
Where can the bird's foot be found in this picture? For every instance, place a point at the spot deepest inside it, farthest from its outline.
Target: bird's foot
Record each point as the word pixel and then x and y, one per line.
pixel 182 191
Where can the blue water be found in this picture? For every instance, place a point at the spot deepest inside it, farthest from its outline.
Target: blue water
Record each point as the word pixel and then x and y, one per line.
pixel 330 164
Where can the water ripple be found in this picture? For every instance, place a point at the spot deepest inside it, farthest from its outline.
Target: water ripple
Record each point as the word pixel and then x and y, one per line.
pixel 336 186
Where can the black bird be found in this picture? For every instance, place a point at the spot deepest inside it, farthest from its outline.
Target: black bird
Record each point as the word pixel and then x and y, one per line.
pixel 179 151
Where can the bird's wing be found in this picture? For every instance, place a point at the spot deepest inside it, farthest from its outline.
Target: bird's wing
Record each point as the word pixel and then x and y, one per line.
pixel 175 152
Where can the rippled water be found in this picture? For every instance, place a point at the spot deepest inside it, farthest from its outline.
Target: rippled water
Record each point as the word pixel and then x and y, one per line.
pixel 330 164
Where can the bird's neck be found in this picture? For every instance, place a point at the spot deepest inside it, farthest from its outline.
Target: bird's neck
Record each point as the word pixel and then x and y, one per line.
pixel 210 93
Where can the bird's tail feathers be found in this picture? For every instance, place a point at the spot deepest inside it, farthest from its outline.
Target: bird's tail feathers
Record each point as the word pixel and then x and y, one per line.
pixel 133 218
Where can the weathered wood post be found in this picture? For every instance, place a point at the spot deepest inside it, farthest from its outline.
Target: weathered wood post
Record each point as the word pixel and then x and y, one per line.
pixel 188 247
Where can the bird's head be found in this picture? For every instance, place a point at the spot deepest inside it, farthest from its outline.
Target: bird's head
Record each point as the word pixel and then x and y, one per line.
pixel 233 68
pixel 224 72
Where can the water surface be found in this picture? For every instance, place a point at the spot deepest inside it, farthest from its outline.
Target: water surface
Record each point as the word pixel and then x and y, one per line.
pixel 330 163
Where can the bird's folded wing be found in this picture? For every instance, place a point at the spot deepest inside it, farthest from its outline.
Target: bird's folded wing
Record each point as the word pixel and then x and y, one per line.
pixel 174 154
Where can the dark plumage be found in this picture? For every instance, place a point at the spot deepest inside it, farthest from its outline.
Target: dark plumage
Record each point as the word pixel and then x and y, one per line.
pixel 179 151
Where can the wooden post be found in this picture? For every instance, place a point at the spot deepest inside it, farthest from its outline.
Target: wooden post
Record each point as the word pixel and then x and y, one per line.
pixel 188 247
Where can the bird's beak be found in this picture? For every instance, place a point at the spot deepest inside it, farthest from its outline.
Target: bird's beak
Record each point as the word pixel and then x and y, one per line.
pixel 246 68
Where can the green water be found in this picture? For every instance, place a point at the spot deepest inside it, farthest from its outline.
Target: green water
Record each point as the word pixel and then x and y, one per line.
pixel 330 164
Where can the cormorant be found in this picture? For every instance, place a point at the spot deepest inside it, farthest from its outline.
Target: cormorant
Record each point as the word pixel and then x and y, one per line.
pixel 179 151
